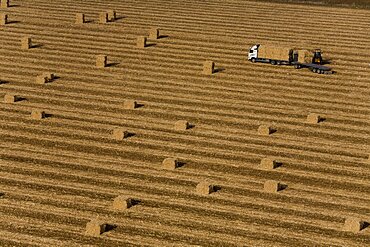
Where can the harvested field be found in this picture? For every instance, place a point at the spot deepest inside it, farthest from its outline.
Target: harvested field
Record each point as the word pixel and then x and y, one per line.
pixel 184 142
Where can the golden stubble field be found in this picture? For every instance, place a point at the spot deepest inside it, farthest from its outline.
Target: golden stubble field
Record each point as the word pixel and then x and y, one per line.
pixel 95 144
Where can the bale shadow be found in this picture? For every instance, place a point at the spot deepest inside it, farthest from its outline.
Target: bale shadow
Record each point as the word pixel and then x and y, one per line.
pixel 110 227
pixel 119 18
pixel 36 46
pixel 12 22
pixel 48 115
pixel 3 82
pixel 112 64
pixel 180 164
pixel 162 36
pixel 366 225
pixel 130 134
pixel 216 188
pixel 2 194
pixel 278 164
pixel 218 70
pixel 150 45
pixel 272 131
pixel 282 187
pixel 321 119
pixel 138 105
pixel 191 126
pixel 135 202
pixel 19 99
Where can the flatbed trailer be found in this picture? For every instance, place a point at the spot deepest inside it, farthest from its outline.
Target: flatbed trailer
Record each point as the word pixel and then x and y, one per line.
pixel 285 56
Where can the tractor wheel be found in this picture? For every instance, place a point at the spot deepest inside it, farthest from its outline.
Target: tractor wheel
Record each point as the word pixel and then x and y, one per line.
pixel 253 60
pixel 273 62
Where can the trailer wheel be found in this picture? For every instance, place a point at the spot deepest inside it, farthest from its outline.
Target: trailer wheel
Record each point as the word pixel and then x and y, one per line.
pixel 278 63
pixel 314 70
pixel 297 66
pixel 273 62
pixel 253 60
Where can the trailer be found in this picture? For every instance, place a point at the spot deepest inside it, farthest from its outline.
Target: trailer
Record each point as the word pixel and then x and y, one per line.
pixel 299 58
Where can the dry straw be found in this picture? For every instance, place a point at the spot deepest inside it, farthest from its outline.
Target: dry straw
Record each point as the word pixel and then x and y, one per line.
pixel 170 163
pixel 141 42
pixel 95 227
pixel 353 224
pixel 122 202
pixel 208 67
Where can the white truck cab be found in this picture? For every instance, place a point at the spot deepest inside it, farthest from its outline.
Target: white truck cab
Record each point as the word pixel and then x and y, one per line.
pixel 253 52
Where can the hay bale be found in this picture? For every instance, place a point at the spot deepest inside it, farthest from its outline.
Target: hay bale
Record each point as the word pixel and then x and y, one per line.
pixel 204 188
pixel 95 227
pixel 3 19
pixel 26 43
pixel 182 125
pixel 103 17
pixel 10 98
pixel 272 186
pixel 120 134
pixel 101 61
pixel 37 114
pixel 112 16
pixel 129 104
pixel 354 225
pixel 313 118
pixel 80 18
pixel 141 42
pixel 49 76
pixel 208 67
pixel 265 130
pixel 268 163
pixel 122 202
pixel 154 33
pixel 4 3
pixel 170 163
